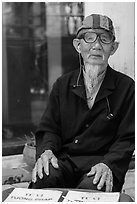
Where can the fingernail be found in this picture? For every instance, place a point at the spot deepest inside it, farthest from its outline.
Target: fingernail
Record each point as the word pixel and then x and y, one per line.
pixel 57 165
pixel 94 181
pixel 33 180
pixel 98 187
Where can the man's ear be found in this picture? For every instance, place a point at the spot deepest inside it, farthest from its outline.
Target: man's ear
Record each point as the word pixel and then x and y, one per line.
pixel 114 47
pixel 76 44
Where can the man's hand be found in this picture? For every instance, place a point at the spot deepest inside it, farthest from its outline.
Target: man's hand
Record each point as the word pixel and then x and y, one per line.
pixel 45 159
pixel 103 175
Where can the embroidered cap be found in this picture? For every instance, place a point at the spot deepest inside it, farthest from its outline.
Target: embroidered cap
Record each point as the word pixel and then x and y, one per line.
pixel 96 21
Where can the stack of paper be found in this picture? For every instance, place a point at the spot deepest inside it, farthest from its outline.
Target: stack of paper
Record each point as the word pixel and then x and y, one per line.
pixel 76 196
pixel 33 195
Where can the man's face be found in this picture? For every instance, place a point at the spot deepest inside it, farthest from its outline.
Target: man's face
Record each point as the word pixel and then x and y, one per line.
pixel 96 53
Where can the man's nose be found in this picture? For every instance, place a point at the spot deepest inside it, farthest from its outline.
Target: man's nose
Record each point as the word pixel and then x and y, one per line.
pixel 97 44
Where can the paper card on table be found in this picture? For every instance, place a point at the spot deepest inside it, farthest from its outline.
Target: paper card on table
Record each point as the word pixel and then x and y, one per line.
pixel 78 196
pixel 33 195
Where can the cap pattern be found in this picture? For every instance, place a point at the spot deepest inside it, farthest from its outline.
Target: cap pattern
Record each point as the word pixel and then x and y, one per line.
pixel 96 21
pixel 104 23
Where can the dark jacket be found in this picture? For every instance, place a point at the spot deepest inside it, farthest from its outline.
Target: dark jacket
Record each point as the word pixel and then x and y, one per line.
pixel 68 126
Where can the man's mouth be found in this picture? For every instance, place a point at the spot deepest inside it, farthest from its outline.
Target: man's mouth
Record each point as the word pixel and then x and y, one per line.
pixel 96 56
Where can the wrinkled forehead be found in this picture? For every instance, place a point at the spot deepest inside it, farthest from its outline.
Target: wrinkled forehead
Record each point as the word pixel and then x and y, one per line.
pixel 85 30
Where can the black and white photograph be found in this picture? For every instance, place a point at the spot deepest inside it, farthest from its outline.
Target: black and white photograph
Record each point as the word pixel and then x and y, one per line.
pixel 68 101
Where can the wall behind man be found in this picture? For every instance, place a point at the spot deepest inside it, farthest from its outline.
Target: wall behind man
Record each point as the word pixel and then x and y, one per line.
pixel 123 16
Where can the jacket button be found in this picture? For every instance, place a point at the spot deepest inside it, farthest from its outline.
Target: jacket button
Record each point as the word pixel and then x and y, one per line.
pixel 87 125
pixel 76 141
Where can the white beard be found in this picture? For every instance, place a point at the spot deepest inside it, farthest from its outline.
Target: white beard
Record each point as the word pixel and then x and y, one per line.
pixel 93 75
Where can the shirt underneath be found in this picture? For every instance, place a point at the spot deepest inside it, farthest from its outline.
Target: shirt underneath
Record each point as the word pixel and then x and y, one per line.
pixel 92 86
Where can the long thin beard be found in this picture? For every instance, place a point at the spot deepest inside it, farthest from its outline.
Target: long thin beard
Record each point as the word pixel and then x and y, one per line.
pixel 93 73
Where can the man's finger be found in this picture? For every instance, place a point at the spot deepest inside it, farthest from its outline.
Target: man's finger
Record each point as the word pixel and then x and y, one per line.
pixel 34 173
pixel 109 183
pixel 39 167
pixel 92 172
pixel 102 181
pixel 46 164
pixel 54 162
pixel 97 177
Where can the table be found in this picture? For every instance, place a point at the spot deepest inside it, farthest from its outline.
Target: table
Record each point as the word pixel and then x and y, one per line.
pixel 123 197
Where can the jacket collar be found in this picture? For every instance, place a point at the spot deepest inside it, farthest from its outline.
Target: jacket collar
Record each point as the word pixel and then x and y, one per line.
pixel 106 88
pixel 78 86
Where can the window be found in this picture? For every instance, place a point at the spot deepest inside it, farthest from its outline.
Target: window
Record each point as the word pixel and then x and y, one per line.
pixel 37 49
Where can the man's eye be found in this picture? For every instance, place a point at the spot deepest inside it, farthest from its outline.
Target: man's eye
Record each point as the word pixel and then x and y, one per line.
pixel 105 37
pixel 90 37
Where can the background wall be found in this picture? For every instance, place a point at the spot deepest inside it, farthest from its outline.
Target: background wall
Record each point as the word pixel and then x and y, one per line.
pixel 123 16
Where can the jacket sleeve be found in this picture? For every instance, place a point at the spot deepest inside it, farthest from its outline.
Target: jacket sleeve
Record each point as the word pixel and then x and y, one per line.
pixel 48 134
pixel 120 153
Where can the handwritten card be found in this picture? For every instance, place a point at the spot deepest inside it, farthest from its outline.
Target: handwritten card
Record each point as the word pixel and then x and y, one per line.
pixel 33 195
pixel 76 196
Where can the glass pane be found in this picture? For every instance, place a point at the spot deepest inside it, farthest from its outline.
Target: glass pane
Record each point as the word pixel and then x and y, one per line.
pixel 37 49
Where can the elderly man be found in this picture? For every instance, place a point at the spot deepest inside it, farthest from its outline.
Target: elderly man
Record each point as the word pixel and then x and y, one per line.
pixel 86 136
